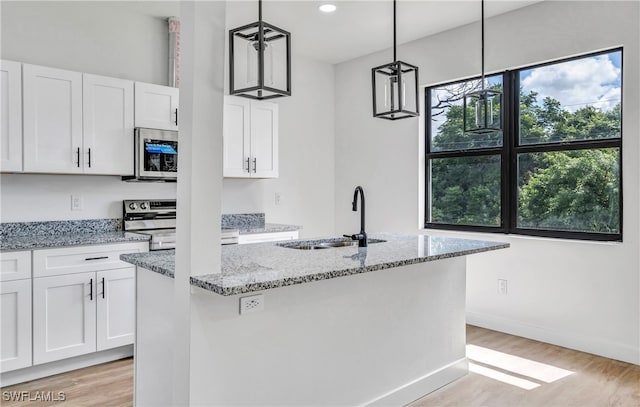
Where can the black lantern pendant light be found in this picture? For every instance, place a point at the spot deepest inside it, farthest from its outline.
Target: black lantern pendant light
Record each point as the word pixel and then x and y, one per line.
pixel 259 60
pixel 395 86
pixel 485 105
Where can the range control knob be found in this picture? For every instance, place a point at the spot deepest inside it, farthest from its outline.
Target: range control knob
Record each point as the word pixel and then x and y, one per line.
pixel 133 206
pixel 143 205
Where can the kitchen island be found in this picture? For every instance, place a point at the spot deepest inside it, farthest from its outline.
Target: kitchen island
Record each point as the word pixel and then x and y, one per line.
pixel 381 325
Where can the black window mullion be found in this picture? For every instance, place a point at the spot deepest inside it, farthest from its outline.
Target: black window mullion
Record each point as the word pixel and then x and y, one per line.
pixel 465 153
pixel 569 146
pixel 511 96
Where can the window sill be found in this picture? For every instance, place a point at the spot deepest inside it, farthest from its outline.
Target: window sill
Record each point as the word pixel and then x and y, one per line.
pixel 498 237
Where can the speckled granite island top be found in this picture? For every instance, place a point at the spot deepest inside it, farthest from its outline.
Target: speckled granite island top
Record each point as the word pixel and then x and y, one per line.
pixel 256 267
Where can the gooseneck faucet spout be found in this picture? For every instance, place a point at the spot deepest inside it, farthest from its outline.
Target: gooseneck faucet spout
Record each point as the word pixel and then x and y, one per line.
pixel 362 236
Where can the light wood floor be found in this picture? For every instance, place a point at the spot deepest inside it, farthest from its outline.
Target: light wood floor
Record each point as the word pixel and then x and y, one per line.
pixel 110 384
pixel 590 380
pixel 594 381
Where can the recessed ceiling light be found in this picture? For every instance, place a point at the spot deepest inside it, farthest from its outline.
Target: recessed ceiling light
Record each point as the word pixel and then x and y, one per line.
pixel 327 8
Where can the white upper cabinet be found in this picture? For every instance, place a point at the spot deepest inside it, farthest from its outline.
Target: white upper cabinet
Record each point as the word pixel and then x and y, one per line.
pixel 250 143
pixel 11 116
pixel 156 106
pixel 264 139
pixel 52 112
pixel 236 145
pixel 107 125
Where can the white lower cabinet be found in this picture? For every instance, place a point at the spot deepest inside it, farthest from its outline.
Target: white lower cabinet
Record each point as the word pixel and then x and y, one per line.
pixel 15 300
pixel 64 316
pixel 83 300
pixel 75 314
pixel 116 308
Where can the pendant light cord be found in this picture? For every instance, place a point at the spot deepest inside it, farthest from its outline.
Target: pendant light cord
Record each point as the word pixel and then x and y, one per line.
pixel 482 39
pixel 394 31
pixel 259 10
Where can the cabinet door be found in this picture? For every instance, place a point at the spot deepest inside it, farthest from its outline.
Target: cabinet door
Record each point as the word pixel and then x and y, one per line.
pixel 107 122
pixel 11 116
pixel 52 113
pixel 236 137
pixel 156 106
pixel 116 308
pixel 15 298
pixel 264 139
pixel 64 316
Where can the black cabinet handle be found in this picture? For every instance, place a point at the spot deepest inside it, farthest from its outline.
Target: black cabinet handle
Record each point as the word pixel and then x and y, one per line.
pixel 78 157
pixel 91 290
pixel 89 157
pixel 103 288
pixel 176 116
pixel 255 165
pixel 97 258
pixel 248 164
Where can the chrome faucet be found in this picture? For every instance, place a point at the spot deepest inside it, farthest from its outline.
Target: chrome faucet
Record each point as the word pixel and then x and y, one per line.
pixel 362 236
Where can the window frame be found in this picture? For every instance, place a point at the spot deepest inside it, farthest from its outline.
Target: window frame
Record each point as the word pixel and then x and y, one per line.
pixel 509 151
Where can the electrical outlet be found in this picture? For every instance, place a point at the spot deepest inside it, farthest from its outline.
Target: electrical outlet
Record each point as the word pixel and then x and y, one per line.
pixel 278 198
pixel 76 203
pixel 253 303
pixel 502 286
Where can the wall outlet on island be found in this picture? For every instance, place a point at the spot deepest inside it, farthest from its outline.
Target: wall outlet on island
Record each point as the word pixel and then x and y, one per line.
pixel 253 303
pixel 76 203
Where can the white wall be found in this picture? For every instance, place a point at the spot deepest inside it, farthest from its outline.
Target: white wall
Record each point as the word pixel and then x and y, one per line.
pixel 35 197
pixel 582 295
pixel 124 39
pixel 306 152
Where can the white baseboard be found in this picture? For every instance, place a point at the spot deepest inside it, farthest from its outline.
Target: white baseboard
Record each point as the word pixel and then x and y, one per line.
pixel 594 345
pixel 422 386
pixel 65 365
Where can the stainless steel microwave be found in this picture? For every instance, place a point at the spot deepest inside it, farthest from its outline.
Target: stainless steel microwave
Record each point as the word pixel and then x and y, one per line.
pixel 155 155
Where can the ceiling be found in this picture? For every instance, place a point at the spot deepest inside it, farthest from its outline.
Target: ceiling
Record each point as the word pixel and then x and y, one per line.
pixel 356 28
pixel 361 27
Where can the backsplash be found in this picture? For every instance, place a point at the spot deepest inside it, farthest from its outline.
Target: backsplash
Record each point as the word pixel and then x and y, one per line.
pixel 60 227
pixel 242 220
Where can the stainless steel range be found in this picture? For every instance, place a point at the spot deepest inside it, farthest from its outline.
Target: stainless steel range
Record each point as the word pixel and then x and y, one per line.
pixel 157 218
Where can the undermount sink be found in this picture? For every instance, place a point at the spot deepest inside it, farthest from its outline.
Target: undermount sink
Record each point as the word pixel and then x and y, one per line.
pixel 324 243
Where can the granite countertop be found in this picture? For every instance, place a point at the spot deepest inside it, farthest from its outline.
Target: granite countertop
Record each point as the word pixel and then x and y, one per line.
pixel 251 223
pixel 268 228
pixel 12 243
pixel 49 234
pixel 262 266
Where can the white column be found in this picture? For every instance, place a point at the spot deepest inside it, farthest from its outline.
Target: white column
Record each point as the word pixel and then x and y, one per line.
pixel 200 167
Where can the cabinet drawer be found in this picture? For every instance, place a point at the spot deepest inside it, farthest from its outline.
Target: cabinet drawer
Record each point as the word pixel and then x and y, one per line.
pixel 51 262
pixel 15 265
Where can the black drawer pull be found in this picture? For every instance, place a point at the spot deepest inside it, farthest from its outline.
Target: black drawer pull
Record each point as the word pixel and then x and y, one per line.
pixel 97 258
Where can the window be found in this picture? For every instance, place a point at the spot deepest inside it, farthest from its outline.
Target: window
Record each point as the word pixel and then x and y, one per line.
pixel 555 168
